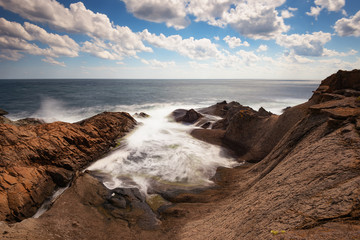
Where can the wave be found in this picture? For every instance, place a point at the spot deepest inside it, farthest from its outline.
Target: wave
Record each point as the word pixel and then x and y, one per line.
pixel 160 154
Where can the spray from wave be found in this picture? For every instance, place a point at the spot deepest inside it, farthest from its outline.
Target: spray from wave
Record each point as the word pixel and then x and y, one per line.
pixel 161 154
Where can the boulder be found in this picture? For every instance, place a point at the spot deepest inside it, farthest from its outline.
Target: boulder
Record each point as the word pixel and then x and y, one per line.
pixel 186 116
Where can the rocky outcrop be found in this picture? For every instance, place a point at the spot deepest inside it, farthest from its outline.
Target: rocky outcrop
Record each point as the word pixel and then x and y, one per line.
pixel 36 158
pixel 307 185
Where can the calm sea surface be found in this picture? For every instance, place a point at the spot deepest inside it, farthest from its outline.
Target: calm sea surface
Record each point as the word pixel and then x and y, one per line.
pixel 73 99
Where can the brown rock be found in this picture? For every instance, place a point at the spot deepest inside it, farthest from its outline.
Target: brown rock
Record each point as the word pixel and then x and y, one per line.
pixel 36 157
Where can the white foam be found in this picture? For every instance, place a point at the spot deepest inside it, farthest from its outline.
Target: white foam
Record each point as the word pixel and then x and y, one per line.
pixel 161 151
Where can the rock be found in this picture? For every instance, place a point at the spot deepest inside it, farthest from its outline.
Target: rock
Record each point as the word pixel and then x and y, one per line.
pixel 206 125
pixel 186 116
pixel 60 176
pixel 262 112
pixel 36 158
pixel 141 115
pixel 3 112
pixel 28 121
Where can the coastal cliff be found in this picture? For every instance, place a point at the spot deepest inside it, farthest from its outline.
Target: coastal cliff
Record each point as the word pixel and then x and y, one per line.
pixel 300 176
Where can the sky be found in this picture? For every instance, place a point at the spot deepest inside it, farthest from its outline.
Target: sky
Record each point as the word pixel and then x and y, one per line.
pixel 178 39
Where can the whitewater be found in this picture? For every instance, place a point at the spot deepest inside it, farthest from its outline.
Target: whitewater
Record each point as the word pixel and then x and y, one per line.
pixel 159 154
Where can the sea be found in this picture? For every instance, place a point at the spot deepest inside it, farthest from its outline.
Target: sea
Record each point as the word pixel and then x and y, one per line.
pixel 159 154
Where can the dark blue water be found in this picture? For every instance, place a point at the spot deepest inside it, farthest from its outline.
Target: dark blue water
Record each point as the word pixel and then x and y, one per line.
pixel 71 99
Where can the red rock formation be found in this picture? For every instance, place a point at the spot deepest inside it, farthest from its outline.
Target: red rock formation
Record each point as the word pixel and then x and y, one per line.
pixel 36 158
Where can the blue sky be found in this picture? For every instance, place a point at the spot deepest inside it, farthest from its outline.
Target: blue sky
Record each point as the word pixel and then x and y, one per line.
pixel 275 39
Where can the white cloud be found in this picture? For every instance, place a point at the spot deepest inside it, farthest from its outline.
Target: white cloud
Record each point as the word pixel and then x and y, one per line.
pixel 330 5
pixel 77 19
pixel 158 64
pixel 292 57
pixel 348 26
pixel 209 11
pixel 286 14
pixel 53 61
pixel 248 57
pixel 333 53
pixel 217 38
pixel 262 48
pixel 234 42
pixel 169 11
pixel 305 44
pixel 193 48
pixel 314 12
pixel 16 39
pixel 257 19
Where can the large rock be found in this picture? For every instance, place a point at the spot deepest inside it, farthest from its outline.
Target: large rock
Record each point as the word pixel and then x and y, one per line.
pixel 36 158
pixel 307 186
pixel 186 116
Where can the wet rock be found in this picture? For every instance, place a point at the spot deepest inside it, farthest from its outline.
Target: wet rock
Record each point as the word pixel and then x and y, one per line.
pixel 3 112
pixel 141 115
pixel 186 116
pixel 206 125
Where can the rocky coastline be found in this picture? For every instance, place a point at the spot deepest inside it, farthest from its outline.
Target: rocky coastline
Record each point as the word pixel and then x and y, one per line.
pixel 300 178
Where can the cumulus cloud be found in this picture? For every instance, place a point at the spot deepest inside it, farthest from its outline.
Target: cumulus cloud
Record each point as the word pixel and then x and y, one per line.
pixel 77 19
pixel 262 48
pixel 256 19
pixel 16 39
pixel 158 64
pixel 169 11
pixel 305 44
pixel 348 26
pixel 330 5
pixel 193 48
pixel 210 11
pixel 234 42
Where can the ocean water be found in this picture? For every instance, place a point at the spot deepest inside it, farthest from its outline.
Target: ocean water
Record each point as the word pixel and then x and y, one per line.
pixel 160 154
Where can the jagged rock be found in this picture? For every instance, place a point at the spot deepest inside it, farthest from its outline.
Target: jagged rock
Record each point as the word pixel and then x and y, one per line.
pixel 37 158
pixel 186 116
pixel 262 112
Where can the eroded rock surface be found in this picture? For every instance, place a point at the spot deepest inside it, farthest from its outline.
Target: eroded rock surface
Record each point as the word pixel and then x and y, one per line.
pixel 35 157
